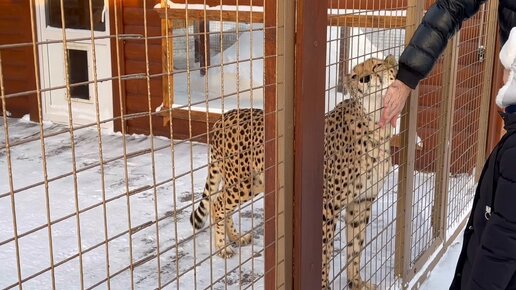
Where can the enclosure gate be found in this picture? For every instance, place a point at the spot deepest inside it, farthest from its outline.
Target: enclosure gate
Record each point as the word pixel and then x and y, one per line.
pixel 455 100
pixel 426 196
pixel 83 208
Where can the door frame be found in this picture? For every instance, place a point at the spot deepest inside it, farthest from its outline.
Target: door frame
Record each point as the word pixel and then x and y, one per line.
pixel 54 102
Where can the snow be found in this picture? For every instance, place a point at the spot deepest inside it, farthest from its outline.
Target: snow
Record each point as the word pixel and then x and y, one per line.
pixel 442 275
pixel 236 81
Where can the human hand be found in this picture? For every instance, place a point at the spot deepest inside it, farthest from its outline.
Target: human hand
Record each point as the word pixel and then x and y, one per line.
pixel 393 102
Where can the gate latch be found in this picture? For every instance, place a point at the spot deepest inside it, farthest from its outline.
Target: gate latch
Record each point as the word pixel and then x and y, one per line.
pixel 481 53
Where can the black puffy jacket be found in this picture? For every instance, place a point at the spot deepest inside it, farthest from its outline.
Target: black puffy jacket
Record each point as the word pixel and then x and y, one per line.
pixel 488 257
pixel 439 24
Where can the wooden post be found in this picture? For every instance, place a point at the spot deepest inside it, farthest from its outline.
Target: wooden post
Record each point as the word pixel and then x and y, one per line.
pixel 311 20
pixel 167 61
pixel 343 57
pixel 491 84
pixel 407 160
pixel 271 156
pixel 204 46
pixel 449 85
pixel 285 142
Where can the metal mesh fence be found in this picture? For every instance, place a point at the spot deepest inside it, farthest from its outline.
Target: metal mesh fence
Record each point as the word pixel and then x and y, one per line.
pixel 449 113
pixel 126 125
pixel 222 36
pixel 450 125
pixel 83 206
pixel 358 35
pixel 467 105
pixel 425 195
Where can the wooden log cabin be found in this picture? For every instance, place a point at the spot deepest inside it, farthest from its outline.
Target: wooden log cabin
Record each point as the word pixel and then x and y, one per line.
pixel 126 95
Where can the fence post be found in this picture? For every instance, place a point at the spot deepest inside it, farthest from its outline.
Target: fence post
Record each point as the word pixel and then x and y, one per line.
pixel 407 159
pixel 285 138
pixel 448 92
pixel 271 148
pixel 491 54
pixel 345 32
pixel 167 61
pixel 310 62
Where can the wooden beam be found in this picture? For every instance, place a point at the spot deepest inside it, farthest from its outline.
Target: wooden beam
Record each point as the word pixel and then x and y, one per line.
pixel 367 21
pixel 213 15
pixel 335 4
pixel 193 115
pixel 224 2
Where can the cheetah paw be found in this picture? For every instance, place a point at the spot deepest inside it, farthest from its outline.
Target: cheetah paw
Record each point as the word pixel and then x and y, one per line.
pixel 226 252
pixel 245 239
pixel 361 285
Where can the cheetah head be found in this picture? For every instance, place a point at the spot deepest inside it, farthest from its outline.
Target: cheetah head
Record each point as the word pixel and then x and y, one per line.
pixel 369 81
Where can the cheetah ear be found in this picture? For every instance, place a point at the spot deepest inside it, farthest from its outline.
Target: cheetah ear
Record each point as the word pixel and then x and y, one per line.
pixel 391 60
pixel 346 81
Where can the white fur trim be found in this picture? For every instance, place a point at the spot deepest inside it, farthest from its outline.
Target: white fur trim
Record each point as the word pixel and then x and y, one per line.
pixel 508 51
pixel 507 94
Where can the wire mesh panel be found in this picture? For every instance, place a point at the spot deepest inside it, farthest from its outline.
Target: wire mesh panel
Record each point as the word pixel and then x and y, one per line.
pixel 136 144
pixel 364 41
pixel 462 103
pixel 428 186
pixel 467 113
pixel 449 103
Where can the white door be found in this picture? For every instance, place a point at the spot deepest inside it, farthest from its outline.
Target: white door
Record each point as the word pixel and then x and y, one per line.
pixel 81 52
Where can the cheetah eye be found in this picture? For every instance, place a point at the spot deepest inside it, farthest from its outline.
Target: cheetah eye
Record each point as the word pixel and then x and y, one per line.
pixel 354 77
pixel 365 79
pixel 376 66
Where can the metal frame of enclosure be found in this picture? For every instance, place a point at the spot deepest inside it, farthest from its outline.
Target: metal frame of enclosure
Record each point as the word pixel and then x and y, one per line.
pixel 106 202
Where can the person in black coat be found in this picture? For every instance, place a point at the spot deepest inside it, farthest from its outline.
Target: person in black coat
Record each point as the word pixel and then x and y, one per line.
pixel 488 257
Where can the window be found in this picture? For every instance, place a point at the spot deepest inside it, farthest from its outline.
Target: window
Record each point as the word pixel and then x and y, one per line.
pixel 78 73
pixel 77 14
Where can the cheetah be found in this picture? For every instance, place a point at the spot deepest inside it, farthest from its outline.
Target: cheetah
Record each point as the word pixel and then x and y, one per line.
pixel 356 160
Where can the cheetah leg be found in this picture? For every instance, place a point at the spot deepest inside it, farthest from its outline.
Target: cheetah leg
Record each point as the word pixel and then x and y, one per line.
pixel 234 236
pixel 327 243
pixel 258 187
pixel 358 214
pixel 223 208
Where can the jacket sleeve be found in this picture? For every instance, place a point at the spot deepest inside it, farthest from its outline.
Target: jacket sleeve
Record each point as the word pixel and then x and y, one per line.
pixel 506 18
pixel 495 263
pixel 439 24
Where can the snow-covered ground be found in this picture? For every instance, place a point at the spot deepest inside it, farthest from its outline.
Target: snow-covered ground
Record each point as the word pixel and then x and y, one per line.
pixel 442 275
pixel 166 199
pixel 169 201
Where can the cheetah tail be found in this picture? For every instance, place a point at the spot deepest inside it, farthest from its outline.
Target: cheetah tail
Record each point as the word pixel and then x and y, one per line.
pixel 199 215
